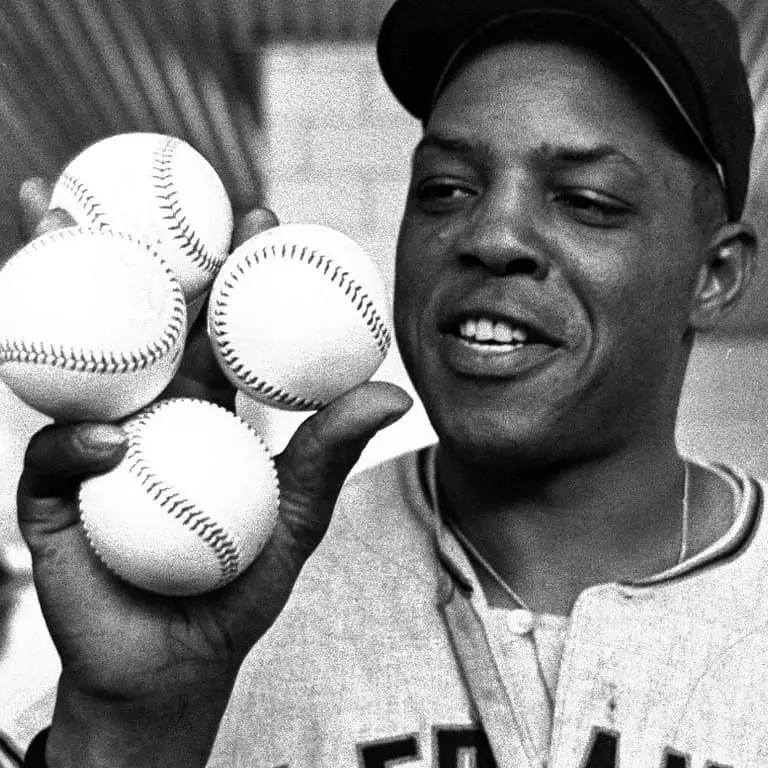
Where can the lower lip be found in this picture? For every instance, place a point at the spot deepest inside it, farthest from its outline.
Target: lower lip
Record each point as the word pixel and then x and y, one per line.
pixel 493 362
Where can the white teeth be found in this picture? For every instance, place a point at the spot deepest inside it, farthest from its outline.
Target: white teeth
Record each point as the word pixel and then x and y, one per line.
pixel 484 330
pixel 520 336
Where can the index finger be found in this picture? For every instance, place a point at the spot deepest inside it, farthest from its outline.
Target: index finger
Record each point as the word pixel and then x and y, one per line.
pixel 253 222
pixel 36 219
pixel 34 198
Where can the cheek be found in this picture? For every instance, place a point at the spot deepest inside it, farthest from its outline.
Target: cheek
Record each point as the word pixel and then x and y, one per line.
pixel 633 292
pixel 411 285
pixel 403 315
pixel 641 308
pixel 417 267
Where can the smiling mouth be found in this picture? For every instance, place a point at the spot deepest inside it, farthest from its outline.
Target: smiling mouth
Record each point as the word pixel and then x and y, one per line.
pixel 485 333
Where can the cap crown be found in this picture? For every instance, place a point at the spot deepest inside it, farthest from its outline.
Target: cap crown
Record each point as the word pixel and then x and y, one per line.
pixel 691 45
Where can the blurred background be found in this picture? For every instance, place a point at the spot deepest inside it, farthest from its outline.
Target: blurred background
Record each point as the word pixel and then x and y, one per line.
pixel 284 98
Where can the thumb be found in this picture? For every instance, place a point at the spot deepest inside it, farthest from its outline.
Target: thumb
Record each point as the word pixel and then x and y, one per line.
pixel 57 459
pixel 321 454
pixel 71 584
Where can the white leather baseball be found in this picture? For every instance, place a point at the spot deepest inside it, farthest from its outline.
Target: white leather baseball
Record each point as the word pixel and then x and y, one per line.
pixel 92 324
pixel 191 504
pixel 298 315
pixel 157 187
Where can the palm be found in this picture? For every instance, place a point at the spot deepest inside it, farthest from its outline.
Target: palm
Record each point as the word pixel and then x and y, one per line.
pixel 116 639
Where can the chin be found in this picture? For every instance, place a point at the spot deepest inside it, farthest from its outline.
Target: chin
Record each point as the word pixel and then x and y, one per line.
pixel 495 443
pixel 506 438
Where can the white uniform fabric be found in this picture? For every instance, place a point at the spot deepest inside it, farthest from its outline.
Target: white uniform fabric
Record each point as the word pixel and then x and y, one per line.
pixel 387 654
pixel 11 754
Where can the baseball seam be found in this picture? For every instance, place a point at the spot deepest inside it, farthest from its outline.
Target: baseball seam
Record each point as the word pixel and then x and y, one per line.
pixel 81 361
pixel 167 195
pixel 85 200
pixel 336 274
pixel 175 504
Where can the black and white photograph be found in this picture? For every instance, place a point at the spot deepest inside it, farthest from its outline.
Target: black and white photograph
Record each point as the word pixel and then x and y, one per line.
pixel 383 383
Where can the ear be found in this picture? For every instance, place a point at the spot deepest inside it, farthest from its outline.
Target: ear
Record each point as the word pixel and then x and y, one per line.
pixel 725 274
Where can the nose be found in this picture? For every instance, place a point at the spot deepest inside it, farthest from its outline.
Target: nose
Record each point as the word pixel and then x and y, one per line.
pixel 502 237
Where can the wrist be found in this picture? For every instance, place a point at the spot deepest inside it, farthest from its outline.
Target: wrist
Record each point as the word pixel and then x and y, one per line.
pixel 90 733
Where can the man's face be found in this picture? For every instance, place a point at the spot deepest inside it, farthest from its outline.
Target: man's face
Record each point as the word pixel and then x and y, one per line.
pixel 547 261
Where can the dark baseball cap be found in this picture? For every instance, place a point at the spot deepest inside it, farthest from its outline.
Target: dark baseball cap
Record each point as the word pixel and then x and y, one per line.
pixel 691 46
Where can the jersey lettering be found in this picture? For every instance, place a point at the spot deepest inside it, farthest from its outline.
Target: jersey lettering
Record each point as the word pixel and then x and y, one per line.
pixel 674 760
pixel 469 748
pixel 604 750
pixel 463 748
pixel 385 754
pixel 454 748
pixel 604 753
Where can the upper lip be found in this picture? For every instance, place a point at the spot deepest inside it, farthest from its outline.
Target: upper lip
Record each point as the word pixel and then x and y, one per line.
pixel 542 323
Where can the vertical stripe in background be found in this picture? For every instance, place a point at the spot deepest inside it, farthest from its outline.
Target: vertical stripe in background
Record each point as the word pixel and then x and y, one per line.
pixel 74 72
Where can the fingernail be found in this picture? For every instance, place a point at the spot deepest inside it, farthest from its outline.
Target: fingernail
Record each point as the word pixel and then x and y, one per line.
pixel 102 437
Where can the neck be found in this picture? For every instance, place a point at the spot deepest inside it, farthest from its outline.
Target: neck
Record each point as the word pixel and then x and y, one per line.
pixel 553 532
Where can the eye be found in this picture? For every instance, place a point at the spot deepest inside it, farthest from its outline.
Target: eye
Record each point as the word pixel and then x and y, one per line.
pixel 442 194
pixel 594 209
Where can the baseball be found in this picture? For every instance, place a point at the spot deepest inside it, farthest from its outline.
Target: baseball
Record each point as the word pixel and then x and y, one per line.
pixel 191 504
pixel 156 187
pixel 92 324
pixel 298 315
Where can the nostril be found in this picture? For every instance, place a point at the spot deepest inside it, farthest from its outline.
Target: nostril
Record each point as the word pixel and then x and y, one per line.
pixel 522 266
pixel 469 260
pixel 505 265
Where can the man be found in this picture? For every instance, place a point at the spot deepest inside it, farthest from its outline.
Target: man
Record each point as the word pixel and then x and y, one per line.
pixel 552 584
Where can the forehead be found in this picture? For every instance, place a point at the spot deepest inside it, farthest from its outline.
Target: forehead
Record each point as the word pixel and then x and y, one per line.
pixel 551 87
pixel 563 32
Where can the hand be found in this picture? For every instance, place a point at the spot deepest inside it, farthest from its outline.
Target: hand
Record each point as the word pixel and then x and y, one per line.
pixel 145 678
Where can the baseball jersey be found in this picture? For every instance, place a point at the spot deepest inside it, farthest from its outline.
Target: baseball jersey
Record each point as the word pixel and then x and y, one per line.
pixel 11 754
pixel 388 654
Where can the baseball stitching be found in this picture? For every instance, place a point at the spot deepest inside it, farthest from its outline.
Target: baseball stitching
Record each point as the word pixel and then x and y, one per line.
pixel 168 200
pixel 85 200
pixel 40 353
pixel 336 274
pixel 175 504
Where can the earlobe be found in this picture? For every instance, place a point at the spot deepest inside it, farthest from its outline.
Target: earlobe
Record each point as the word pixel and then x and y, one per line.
pixel 724 275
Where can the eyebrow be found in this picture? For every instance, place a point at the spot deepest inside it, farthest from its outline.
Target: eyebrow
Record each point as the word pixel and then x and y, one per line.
pixel 567 156
pixel 453 146
pixel 550 156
